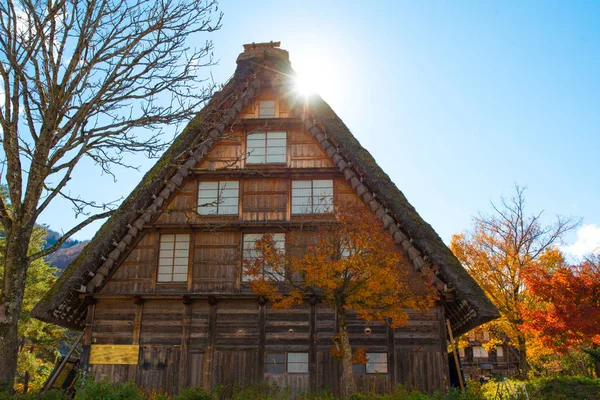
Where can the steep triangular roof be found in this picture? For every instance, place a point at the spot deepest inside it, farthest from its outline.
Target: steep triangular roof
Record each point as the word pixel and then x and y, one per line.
pixel 467 306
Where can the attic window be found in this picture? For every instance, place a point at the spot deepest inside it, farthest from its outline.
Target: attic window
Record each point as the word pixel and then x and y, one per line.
pixel 218 198
pixel 312 197
pixel 266 109
pixel 173 257
pixel 266 148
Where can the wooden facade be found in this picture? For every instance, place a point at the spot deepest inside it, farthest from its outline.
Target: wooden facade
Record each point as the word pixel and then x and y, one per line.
pixel 172 284
pixel 211 329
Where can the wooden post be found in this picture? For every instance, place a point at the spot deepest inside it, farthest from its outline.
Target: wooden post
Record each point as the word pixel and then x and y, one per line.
pixel 209 353
pixel 455 352
pixel 185 341
pixel 87 333
pixel 262 317
pixel 444 347
pixel 312 352
pixel 391 355
pixel 137 321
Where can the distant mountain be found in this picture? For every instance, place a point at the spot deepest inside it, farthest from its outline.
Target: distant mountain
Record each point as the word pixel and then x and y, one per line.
pixel 66 253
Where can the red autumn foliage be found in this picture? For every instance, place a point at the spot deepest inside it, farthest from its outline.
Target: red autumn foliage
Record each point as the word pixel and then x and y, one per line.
pixel 567 314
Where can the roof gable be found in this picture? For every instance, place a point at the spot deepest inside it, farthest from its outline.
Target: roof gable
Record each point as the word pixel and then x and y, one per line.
pixel 264 67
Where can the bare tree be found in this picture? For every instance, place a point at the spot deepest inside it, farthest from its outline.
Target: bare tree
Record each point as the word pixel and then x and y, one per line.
pixel 77 79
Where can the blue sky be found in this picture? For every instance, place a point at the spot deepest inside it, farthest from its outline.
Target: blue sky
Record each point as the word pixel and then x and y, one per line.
pixel 457 101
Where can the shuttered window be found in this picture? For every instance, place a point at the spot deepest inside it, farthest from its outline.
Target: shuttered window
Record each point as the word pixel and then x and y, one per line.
pixel 266 109
pixel 282 363
pixel 218 198
pixel 250 253
pixel 312 197
pixel 266 148
pixel 173 257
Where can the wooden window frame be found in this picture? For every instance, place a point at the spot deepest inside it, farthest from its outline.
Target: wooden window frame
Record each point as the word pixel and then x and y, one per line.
pixel 287 362
pixel 158 266
pixel 312 198
pixel 248 154
pixel 244 256
pixel 217 200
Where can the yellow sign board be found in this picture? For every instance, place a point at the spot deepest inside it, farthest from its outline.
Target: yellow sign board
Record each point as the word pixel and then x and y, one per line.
pixel 114 354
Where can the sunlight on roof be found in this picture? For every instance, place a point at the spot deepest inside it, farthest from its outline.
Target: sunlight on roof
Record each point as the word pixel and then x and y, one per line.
pixel 305 85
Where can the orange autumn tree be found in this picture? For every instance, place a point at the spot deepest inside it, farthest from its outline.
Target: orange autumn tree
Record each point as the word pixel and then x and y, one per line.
pixel 497 251
pixel 350 264
pixel 566 314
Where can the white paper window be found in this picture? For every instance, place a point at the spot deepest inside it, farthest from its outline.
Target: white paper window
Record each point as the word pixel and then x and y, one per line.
pixel 266 147
pixel 312 197
pixel 218 198
pixel 173 257
pixel 377 363
pixel 250 253
pixel 499 352
pixel 486 336
pixel 479 352
pixel 297 363
pixel 461 353
pixel 266 109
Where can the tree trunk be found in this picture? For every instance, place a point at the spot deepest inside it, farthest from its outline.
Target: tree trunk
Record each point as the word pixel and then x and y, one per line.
pixel 523 363
pixel 11 299
pixel 348 386
pixel 26 382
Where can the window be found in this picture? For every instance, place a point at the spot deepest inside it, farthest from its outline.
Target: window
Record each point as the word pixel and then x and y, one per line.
pixel 291 363
pixel 173 257
pixel 499 352
pixel 250 253
pixel 266 109
pixel 479 352
pixel 266 147
pixel 312 197
pixel 376 364
pixel 218 198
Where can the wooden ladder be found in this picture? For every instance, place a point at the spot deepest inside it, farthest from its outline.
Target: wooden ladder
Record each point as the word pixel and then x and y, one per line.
pixel 73 353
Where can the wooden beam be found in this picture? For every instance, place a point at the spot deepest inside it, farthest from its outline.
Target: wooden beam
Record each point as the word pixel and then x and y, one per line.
pixel 391 355
pixel 87 333
pixel 185 341
pixel 444 347
pixel 209 353
pixel 262 317
pixel 137 321
pixel 312 352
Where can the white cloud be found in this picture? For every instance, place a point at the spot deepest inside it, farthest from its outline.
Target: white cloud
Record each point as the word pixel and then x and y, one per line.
pixel 588 241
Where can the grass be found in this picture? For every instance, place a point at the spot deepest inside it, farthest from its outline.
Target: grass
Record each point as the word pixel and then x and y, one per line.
pixel 557 388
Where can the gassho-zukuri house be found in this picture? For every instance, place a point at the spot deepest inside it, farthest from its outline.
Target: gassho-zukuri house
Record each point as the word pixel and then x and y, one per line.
pixel 160 294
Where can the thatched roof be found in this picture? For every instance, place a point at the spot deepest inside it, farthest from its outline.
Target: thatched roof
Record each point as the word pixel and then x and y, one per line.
pixel 64 305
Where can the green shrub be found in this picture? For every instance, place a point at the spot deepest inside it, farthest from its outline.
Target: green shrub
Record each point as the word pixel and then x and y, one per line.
pixel 194 393
pixel 564 387
pixel 106 390
pixel 49 395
